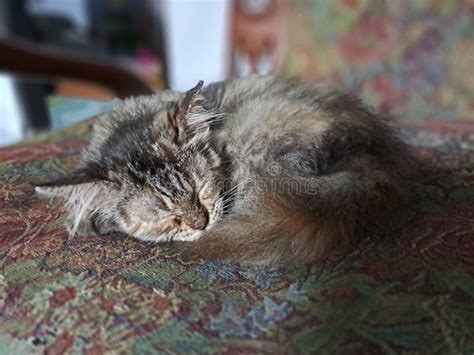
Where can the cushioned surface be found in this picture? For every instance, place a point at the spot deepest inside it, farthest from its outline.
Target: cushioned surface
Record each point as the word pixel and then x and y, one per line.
pixel 408 58
pixel 409 291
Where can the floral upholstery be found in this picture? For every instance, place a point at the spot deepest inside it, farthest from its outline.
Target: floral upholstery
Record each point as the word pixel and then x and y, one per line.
pixel 411 290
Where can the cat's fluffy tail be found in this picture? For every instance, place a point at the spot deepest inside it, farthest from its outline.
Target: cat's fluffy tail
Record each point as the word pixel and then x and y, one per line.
pixel 303 226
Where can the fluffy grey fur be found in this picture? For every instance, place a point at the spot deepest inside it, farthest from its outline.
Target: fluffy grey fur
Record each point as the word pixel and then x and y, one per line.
pixel 256 170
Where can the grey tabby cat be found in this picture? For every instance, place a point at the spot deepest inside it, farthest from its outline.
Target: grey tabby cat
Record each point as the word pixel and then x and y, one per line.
pixel 260 170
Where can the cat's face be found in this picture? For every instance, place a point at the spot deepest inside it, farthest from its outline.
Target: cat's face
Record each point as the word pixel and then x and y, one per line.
pixel 153 176
pixel 176 202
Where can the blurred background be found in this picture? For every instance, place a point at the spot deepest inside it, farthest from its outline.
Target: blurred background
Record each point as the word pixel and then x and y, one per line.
pixel 62 61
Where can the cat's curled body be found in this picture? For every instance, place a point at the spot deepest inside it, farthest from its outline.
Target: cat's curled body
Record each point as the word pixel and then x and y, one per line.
pixel 258 170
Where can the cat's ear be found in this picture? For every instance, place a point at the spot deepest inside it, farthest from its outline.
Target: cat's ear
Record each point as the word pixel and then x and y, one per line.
pixel 180 115
pixel 79 184
pixel 81 199
pixel 65 192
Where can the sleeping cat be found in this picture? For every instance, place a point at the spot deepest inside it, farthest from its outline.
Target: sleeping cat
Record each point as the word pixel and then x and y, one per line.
pixel 260 170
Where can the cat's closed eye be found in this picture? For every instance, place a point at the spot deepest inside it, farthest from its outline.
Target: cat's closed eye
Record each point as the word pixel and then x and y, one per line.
pixel 207 191
pixel 113 184
pixel 160 205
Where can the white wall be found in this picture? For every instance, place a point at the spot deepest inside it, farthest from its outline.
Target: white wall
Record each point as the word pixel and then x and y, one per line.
pixel 11 128
pixel 197 39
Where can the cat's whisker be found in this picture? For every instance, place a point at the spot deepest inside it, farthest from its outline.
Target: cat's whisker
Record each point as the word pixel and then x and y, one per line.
pixel 218 119
pixel 233 190
pixel 206 118
pixel 229 198
pixel 239 185
pixel 205 125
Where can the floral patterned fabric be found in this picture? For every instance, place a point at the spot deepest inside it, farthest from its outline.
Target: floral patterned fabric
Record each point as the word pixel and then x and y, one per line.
pixel 411 58
pixel 408 291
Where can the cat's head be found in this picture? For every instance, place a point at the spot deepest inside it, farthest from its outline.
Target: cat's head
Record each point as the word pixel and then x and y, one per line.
pixel 149 173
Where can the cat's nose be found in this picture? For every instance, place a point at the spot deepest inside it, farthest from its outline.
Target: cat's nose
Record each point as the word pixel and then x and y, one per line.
pixel 197 220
